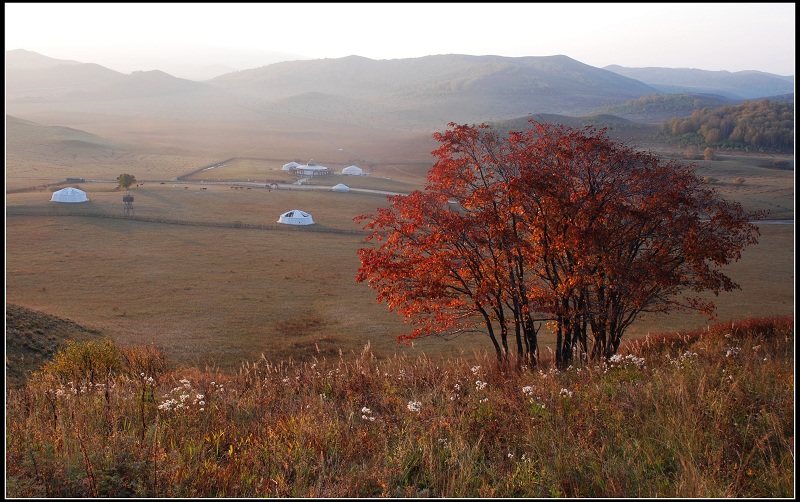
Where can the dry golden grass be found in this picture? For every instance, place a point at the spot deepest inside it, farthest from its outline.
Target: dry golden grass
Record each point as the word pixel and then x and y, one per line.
pixel 222 295
pixel 206 271
pixel 751 181
pixel 706 413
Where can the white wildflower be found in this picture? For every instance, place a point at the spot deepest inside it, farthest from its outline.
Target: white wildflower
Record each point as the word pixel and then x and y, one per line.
pixel 366 414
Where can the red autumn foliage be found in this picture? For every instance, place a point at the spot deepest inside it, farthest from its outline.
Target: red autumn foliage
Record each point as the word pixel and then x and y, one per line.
pixel 550 224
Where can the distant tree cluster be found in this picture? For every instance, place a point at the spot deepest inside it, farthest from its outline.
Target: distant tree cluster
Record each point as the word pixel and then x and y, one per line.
pixel 757 125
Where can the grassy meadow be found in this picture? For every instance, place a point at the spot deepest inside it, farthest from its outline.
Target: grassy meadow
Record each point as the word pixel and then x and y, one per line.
pixel 205 270
pixel 705 413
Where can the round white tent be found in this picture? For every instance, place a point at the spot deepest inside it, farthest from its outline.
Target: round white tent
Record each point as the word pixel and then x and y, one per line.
pixel 353 171
pixel 296 217
pixel 341 188
pixel 69 194
pixel 289 166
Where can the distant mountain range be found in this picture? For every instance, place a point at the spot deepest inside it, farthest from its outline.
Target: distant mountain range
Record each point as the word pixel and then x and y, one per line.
pixel 32 75
pixel 415 94
pixel 190 61
pixel 735 85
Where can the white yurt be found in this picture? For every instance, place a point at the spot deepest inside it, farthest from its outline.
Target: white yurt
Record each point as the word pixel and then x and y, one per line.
pixel 341 187
pixel 69 194
pixel 289 166
pixel 296 217
pixel 353 171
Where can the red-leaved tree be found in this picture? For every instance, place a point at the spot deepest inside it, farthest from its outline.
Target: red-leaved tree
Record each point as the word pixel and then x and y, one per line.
pixel 550 224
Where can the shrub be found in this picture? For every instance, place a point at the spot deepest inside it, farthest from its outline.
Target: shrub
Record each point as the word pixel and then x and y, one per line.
pixel 84 362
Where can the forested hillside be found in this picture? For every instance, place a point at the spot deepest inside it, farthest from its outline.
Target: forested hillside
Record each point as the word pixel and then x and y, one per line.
pixel 667 106
pixel 763 125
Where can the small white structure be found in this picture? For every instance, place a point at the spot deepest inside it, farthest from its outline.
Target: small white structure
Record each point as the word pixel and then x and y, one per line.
pixel 289 166
pixel 311 170
pixel 341 188
pixel 69 194
pixel 296 217
pixel 353 171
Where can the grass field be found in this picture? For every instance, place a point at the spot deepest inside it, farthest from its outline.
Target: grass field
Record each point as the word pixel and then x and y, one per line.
pixel 205 271
pixel 699 414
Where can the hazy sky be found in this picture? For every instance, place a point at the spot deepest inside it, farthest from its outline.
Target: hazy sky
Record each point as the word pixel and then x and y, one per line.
pixel 713 36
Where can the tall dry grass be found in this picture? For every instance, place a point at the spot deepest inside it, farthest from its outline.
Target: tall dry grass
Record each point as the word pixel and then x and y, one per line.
pixel 699 414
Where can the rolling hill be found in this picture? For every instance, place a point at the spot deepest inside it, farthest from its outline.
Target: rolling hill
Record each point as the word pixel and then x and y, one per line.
pixel 33 337
pixel 418 93
pixel 22 59
pixel 735 85
pixel 443 87
pixel 339 110
pixel 309 108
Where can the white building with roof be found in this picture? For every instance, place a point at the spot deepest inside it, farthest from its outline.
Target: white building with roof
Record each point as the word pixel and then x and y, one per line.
pixel 311 170
pixel 353 171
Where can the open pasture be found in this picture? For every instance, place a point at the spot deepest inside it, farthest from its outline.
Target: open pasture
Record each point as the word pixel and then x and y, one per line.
pixel 207 273
pixel 753 181
pixel 37 155
pixel 232 205
pixel 206 293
